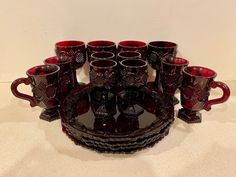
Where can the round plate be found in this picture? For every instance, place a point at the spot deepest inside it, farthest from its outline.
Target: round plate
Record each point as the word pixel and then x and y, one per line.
pixel 115 120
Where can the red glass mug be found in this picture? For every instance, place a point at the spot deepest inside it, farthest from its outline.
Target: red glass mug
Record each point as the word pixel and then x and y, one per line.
pixel 43 80
pixel 195 90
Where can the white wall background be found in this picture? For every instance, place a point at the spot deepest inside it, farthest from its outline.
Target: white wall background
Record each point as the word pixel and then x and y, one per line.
pixel 204 30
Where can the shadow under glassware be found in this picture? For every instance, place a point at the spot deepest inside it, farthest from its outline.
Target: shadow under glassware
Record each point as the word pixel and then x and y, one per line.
pixel 66 79
pixel 195 91
pixel 134 76
pixel 103 75
pixel 171 76
pixel 132 45
pixel 99 46
pixel 74 51
pixel 43 80
pixel 128 55
pixel 157 50
pixel 105 55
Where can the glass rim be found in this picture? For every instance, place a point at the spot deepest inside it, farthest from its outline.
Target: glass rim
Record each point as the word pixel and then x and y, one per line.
pixel 130 66
pixel 41 66
pixel 80 44
pixel 176 64
pixel 59 62
pixel 105 46
pixel 167 42
pixel 91 64
pixel 199 67
pixel 144 44
pixel 138 54
pixel 98 58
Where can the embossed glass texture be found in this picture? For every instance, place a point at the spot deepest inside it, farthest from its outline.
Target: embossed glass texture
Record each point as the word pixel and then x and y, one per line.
pixel 171 76
pixel 157 50
pixel 117 133
pixel 71 50
pixel 43 80
pixel 133 72
pixel 103 73
pixel 74 51
pixel 195 91
pixel 134 76
pixel 109 116
pixel 66 79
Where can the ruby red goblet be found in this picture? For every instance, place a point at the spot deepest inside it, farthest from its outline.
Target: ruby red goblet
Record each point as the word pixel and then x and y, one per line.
pixel 74 51
pixel 66 79
pixel 103 75
pixel 171 76
pixel 157 50
pixel 133 76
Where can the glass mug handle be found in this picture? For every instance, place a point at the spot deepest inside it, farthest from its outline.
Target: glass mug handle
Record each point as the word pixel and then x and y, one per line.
pixel 23 96
pixel 225 96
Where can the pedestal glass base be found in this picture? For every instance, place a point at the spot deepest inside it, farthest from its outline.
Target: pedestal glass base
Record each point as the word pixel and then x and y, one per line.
pixel 50 114
pixel 189 116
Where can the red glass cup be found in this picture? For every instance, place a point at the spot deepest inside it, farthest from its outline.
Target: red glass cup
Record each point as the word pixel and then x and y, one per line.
pixel 195 91
pixel 128 55
pixel 130 45
pixel 74 51
pixel 100 45
pixel 123 56
pixel 157 50
pixel 133 76
pixel 103 75
pixel 171 76
pixel 43 80
pixel 66 79
pixel 104 55
pixel 133 72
